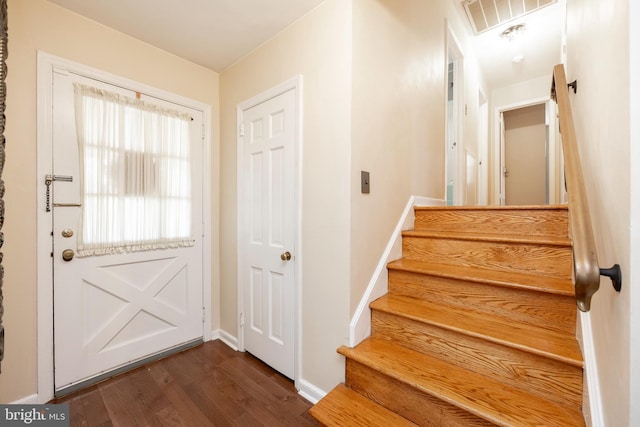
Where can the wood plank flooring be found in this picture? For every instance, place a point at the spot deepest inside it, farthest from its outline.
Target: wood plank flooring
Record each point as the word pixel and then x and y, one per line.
pixel 209 385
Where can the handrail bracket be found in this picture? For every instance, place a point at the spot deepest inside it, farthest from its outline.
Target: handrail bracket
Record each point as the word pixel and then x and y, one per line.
pixel 615 274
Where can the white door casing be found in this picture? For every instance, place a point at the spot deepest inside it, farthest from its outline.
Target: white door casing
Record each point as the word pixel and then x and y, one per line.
pixel 112 309
pixel 483 150
pixel 499 149
pixel 502 165
pixel 454 107
pixel 267 246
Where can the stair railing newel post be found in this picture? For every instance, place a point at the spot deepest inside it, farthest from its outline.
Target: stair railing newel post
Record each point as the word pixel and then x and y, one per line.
pixel 586 271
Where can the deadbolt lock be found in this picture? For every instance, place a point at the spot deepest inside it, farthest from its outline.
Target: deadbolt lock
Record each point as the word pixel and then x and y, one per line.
pixel 67 232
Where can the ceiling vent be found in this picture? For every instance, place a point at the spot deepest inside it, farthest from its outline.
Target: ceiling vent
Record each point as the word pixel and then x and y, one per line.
pixel 487 14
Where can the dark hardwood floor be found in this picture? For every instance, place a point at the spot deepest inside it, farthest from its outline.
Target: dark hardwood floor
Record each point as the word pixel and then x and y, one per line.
pixel 209 385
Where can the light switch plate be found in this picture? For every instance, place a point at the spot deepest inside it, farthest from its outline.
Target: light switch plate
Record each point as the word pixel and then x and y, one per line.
pixel 364 182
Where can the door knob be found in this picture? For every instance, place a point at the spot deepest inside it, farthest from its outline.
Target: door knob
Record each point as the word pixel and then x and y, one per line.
pixel 286 256
pixel 67 254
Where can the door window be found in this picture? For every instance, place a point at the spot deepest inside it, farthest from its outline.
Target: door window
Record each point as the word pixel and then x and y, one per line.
pixel 135 171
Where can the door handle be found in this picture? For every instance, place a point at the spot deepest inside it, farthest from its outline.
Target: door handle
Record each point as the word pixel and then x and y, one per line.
pixel 67 254
pixel 285 256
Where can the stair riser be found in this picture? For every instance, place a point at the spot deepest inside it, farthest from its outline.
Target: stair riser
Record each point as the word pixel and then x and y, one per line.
pixel 547 260
pixel 547 378
pixel 415 405
pixel 535 222
pixel 552 311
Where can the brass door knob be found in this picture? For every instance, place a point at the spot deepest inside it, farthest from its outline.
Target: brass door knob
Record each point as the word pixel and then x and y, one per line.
pixel 67 254
pixel 286 256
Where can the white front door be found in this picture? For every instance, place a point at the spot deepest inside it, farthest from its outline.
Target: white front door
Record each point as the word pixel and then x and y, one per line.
pixel 267 230
pixel 112 310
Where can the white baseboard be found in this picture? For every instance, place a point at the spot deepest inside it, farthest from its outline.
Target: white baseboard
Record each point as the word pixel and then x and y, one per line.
pixel 310 392
pixel 305 389
pixel 34 399
pixel 214 335
pixel 228 339
pixel 360 326
pixel 592 406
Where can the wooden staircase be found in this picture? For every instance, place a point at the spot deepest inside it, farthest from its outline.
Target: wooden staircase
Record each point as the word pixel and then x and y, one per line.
pixel 478 327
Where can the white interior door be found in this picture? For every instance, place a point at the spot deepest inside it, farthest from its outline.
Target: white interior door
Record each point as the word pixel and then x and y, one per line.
pixel 454 156
pixel 112 310
pixel 526 161
pixel 483 150
pixel 267 230
pixel 452 143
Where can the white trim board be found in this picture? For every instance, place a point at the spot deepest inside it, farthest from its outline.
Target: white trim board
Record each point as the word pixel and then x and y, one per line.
pixel 228 339
pixel 310 392
pixel 46 64
pixel 360 325
pixel 592 404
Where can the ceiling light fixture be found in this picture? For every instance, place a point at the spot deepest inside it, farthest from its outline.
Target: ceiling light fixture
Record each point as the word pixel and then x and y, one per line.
pixel 513 31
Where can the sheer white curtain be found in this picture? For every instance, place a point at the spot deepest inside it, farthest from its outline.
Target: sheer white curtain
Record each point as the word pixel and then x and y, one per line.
pixel 136 176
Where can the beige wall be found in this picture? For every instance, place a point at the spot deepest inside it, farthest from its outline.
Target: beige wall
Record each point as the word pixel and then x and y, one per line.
pixel 598 57
pixel 318 47
pixel 398 117
pixel 634 158
pixel 38 25
pixel 398 121
pixel 374 88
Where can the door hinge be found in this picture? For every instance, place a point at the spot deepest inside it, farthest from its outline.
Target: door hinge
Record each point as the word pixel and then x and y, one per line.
pixel 241 319
pixel 241 130
pixel 204 312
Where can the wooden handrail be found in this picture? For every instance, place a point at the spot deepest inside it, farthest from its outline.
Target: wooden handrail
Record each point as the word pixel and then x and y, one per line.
pixel 586 271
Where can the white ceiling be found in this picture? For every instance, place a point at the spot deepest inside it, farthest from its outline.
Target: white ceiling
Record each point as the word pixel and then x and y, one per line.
pixel 540 45
pixel 212 33
pixel 216 33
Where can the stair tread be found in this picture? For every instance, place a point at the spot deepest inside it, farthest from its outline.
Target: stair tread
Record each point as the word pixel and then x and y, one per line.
pixel 531 338
pixel 548 284
pixel 493 208
pixel 491 237
pixel 475 393
pixel 345 407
